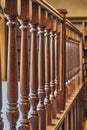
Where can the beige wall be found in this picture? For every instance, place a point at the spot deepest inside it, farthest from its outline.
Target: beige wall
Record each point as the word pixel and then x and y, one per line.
pixel 74 7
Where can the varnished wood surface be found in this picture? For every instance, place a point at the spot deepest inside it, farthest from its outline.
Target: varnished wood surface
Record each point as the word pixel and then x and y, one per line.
pixel 42 68
pixel 55 122
pixel 67 108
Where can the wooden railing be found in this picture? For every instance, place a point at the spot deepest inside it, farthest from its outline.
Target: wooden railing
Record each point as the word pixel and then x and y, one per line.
pixel 50 75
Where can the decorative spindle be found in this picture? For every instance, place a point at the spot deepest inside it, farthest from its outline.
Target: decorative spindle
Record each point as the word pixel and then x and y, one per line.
pixel 52 97
pixel 24 77
pixel 41 69
pixel 52 74
pixel 47 77
pixel 56 69
pixel 12 83
pixel 1 122
pixel 47 66
pixel 34 69
pixel 33 79
pixel 24 67
pixel 41 80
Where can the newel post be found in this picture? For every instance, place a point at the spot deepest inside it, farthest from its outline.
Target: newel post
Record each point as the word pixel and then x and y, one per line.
pixel 24 15
pixel 12 82
pixel 63 75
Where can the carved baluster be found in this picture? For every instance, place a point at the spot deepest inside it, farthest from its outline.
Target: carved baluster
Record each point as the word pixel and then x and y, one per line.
pixel 1 123
pixel 56 42
pixel 41 70
pixel 52 67
pixel 24 73
pixel 47 71
pixel 34 70
pixel 12 83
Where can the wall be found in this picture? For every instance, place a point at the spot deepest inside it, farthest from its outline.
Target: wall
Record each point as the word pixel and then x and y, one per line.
pixel 74 7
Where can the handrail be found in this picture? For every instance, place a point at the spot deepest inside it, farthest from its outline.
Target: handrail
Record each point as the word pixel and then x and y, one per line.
pixel 72 26
pixel 50 8
pixel 56 13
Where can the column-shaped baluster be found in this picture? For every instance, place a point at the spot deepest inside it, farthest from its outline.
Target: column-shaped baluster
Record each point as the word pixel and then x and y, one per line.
pixel 56 45
pixel 24 67
pixel 33 79
pixel 12 83
pixel 47 71
pixel 24 78
pixel 52 67
pixel 52 97
pixel 34 69
pixel 41 70
pixel 1 122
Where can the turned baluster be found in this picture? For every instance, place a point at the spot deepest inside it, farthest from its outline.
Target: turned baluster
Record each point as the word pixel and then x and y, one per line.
pixel 24 67
pixel 47 71
pixel 12 83
pixel 1 122
pixel 41 70
pixel 52 67
pixel 34 69
pixel 56 45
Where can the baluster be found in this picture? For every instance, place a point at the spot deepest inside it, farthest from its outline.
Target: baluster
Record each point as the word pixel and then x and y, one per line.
pixel 47 71
pixel 1 122
pixel 24 73
pixel 41 70
pixel 52 68
pixel 34 69
pixel 56 42
pixel 12 83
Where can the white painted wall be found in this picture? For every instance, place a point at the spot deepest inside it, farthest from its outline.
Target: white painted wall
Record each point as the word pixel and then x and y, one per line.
pixel 74 7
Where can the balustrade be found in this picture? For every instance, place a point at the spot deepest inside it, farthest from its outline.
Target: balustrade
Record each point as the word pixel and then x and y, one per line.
pixel 51 86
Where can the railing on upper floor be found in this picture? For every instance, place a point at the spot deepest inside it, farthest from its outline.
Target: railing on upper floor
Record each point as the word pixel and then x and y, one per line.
pixel 55 70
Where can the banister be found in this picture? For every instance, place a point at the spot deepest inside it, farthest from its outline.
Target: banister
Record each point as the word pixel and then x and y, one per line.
pixel 50 8
pixel 54 73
